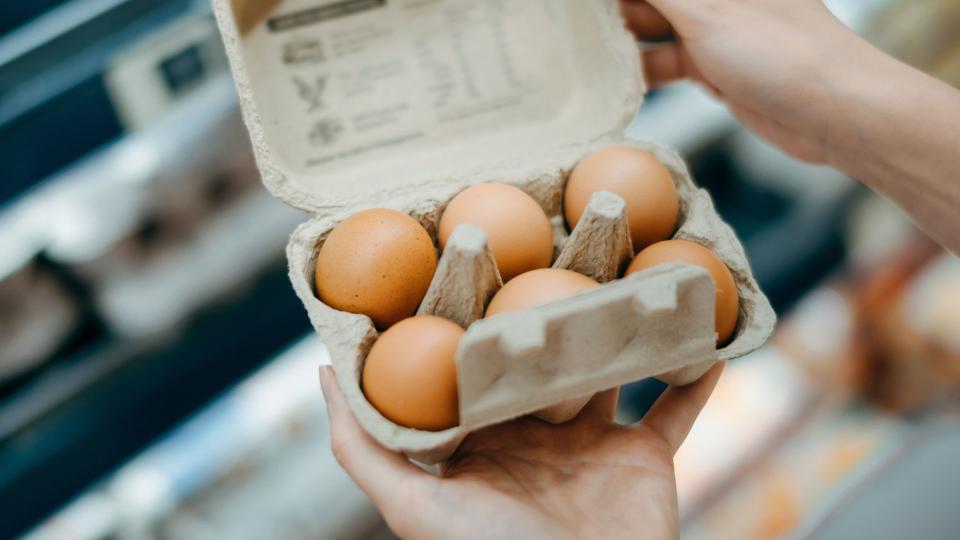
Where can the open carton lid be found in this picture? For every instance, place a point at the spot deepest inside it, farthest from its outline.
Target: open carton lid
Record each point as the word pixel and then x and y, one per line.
pixel 359 103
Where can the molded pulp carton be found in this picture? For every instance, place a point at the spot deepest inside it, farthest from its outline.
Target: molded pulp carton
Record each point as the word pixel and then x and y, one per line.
pixel 402 104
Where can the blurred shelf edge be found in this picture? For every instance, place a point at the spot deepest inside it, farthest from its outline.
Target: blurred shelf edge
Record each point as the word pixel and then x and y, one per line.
pixel 81 213
pixel 271 428
pixel 74 417
pixel 62 69
pixel 107 403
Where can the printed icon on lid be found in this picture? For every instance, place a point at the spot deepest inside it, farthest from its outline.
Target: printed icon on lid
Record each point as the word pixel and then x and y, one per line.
pixel 325 132
pixel 312 92
pixel 303 50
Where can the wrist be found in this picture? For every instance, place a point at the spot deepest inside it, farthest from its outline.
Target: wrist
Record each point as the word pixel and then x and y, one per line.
pixel 850 79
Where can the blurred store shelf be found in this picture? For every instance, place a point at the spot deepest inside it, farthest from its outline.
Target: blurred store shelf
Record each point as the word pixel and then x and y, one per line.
pixel 823 456
pixel 55 101
pixel 36 312
pixel 74 422
pixel 255 463
pixel 143 265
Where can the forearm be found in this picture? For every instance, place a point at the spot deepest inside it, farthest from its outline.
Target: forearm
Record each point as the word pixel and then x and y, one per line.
pixel 897 130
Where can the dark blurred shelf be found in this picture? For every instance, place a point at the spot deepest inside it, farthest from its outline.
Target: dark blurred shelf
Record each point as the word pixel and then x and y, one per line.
pixel 54 104
pixel 121 396
pixel 793 243
pixel 13 15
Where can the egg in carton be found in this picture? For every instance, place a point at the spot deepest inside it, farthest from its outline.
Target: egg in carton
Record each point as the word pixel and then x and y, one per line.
pixel 381 107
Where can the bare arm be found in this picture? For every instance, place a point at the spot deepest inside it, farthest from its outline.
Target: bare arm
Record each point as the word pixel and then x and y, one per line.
pixel 900 135
pixel 794 74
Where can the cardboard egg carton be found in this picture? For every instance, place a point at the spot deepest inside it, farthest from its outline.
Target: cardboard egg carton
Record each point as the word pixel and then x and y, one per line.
pixel 550 360
pixel 524 123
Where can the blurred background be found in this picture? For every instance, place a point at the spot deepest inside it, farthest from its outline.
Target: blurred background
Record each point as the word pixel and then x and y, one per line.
pixel 158 375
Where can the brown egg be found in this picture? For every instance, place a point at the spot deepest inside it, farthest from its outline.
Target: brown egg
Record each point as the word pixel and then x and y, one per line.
pixel 537 288
pixel 644 184
pixel 519 231
pixel 378 263
pixel 728 299
pixel 410 375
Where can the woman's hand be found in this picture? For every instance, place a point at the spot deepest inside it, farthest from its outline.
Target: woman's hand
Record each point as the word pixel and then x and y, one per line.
pixel 769 60
pixel 526 479
pixel 790 71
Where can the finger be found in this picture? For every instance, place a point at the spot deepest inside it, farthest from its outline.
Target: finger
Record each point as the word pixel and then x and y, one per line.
pixel 381 474
pixel 603 405
pixel 645 21
pixel 670 62
pixel 673 415
pixel 664 64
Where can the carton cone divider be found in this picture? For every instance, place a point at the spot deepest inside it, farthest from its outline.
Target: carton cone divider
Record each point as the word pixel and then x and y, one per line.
pixel 600 245
pixel 466 278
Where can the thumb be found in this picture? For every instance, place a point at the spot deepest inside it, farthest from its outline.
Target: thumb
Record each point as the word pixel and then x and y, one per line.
pixel 382 474
pixel 673 415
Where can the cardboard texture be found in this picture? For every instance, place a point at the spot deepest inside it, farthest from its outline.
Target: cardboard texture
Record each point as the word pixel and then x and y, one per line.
pixel 522 108
pixel 466 278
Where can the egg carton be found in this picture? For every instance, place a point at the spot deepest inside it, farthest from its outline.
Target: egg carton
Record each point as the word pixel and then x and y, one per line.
pixel 548 360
